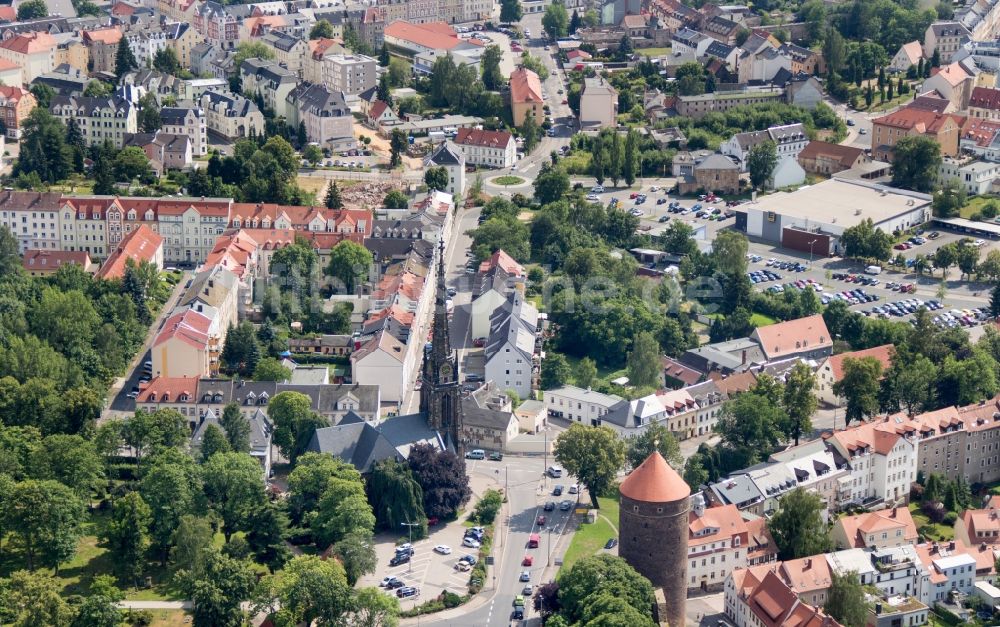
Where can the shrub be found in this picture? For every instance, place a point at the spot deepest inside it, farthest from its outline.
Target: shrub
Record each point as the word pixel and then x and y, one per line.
pixel 950 518
pixel 487 508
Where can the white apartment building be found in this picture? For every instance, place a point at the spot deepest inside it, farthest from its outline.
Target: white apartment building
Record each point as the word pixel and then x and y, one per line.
pixel 33 218
pixel 189 232
pixel 579 405
pixel 493 149
pixel 349 73
pixel 230 115
pixel 268 79
pixel 510 346
pixel 326 116
pixel 974 177
pixel 883 463
pixel 718 539
pixel 100 119
pixel 189 122
pixel 598 104
pixel 289 51
pixel 146 43
pixel 83 226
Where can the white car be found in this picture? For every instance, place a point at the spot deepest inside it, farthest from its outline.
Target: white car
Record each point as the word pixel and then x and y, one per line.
pixel 443 549
pixel 593 197
pixel 472 543
pixel 386 581
pixel 525 576
pixel 979 243
pixel 597 189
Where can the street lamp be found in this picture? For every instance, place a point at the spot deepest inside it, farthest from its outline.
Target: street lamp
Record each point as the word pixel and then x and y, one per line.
pixel 409 527
pixel 811 250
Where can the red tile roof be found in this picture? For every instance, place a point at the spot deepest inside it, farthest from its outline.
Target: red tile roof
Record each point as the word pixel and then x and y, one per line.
pixel 921 120
pixel 654 481
pixel 483 138
pixel 505 261
pixel 882 353
pixel 676 370
pixel 985 98
pixel 168 390
pixel 29 43
pixel 856 528
pixel 102 35
pixel 724 521
pixel 525 86
pixel 139 245
pixel 793 336
pixel 433 35
pixel 8 13
pixel 51 260
pixel 845 155
pixel 189 326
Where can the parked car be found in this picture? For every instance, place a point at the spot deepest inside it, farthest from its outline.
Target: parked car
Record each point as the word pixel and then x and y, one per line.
pixel 407 591
pixel 399 558
pixel 470 542
pixel 525 576
pixel 443 549
pixel 496 456
pixel 611 543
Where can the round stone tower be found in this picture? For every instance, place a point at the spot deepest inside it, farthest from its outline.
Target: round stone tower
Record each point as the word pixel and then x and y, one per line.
pixel 653 530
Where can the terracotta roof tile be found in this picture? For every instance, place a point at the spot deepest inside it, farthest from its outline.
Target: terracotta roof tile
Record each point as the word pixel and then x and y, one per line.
pixel 654 481
pixel 793 336
pixel 881 353
pixel 139 245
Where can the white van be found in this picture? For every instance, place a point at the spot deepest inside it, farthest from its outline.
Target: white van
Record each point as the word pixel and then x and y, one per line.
pixel 873 270
pixel 555 472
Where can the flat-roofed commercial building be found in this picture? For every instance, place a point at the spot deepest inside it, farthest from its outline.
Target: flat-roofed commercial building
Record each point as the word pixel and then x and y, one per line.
pixel 812 219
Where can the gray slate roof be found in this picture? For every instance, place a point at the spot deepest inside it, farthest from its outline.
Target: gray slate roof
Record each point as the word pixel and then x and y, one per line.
pixel 363 444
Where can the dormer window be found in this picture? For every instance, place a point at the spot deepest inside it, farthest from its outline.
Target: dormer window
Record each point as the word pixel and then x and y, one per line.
pixel 183 398
pixel 166 397
pixel 152 397
pixel 131 214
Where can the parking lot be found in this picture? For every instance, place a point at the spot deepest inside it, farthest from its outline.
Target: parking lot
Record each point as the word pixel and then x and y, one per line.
pixel 656 207
pixel 428 571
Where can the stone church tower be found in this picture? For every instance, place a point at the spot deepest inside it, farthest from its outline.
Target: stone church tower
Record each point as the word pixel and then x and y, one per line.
pixel 653 525
pixel 440 398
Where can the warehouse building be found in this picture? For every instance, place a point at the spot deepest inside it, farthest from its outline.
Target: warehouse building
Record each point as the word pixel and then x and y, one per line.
pixel 811 219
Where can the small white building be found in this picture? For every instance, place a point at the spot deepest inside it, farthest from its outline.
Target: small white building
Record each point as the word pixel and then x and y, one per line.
pixel 492 149
pixel 451 158
pixel 510 347
pixel 598 104
pixel 579 405
pixel 907 56
pixel 974 177
pixel 189 122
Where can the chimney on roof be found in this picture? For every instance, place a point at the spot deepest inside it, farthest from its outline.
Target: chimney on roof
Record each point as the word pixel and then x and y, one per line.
pixel 951 545
pixel 893 515
pixel 809 563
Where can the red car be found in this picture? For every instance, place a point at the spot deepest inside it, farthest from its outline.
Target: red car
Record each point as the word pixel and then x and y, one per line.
pixel 527 560
pixel 540 521
pixel 633 195
pixel 479 342
pixel 903 246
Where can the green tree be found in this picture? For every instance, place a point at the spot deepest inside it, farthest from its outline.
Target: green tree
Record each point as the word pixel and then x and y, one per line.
pixel 356 552
pixel 750 427
pixel 218 591
pixel 322 29
pixel 729 250
pixel 534 64
pixel 343 509
pixel 550 185
pixel 100 608
pixel 97 89
pixel 192 544
pixel 236 426
pixel 213 441
pixel 490 62
pixel 332 199
pixel 45 518
pixel 690 79
pixel 395 495
pixel 509 234
pixel 294 423
pixel 797 527
pixel 948 200
pixel 312 153
pixel 43 94
pixel 630 158
pixel 270 369
pixel 594 455
pixel 124 59
pixel 383 91
pixel 127 535
pixel 761 161
pixel 32 10
pixel 350 263
pixel 149 112
pixel 131 163
pixel 437 178
pixel 31 599
pixel 847 601
pixel 234 485
pixel 530 132
pixel 859 387
pixel 655 437
pixel 165 60
pixel 309 481
pixel 266 533
pixel 383 56
pixel 967 259
pixel 799 400
pixel 171 487
pixel 43 148
pixel 308 591
pixel 915 162
pixel 510 11
pixel 70 460
pixel 241 351
pixel 395 199
pixel 556 371
pixel 397 144
pixel 592 576
pixel 695 474
pixel 586 373
pixel 644 366
pixel 251 50
pixel 678 239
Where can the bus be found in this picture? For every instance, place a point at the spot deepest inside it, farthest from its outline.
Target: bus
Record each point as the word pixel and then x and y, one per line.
pixel 533 541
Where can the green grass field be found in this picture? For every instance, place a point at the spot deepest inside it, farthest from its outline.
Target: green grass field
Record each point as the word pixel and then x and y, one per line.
pixel 932 531
pixel 975 204
pixel 653 52
pixel 508 180
pixel 590 538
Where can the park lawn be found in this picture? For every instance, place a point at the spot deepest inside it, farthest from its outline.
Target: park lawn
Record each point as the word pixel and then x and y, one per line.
pixel 590 538
pixel 975 204
pixel 604 373
pixel 508 180
pixel 170 618
pixel 653 52
pixel 932 531
pixel 761 320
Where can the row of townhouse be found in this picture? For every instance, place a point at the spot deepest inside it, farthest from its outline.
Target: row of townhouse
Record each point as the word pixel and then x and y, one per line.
pixel 189 227
pixel 449 11
pixel 883 550
pixel 875 463
pixel 403 277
